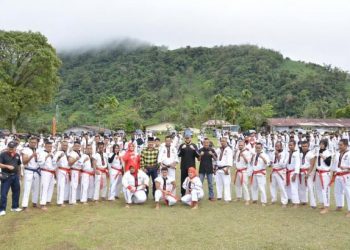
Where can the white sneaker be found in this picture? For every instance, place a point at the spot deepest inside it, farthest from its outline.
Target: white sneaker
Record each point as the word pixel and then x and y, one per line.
pixel 2 213
pixel 16 209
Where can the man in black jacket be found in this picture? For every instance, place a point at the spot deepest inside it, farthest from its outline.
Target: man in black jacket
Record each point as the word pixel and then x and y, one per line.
pixel 188 152
pixel 206 166
pixel 10 164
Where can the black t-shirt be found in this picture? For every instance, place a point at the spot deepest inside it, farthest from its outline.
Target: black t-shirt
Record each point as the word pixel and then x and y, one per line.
pixel 206 163
pixel 6 158
pixel 188 155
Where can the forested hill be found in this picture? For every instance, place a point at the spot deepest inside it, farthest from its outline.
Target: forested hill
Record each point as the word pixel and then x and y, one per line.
pixel 119 87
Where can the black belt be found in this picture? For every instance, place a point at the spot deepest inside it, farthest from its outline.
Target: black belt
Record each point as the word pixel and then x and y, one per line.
pixel 223 167
pixel 36 170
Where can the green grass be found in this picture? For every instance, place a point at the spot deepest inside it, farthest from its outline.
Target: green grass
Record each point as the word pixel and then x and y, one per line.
pixel 220 225
pixel 214 225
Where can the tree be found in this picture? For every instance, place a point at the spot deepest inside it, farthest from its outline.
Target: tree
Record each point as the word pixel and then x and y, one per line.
pixel 28 73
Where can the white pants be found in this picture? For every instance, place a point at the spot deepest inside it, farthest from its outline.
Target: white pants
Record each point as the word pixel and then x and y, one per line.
pixel 51 189
pixel 194 196
pixel 137 197
pixel 292 189
pixel 341 187
pixel 277 183
pixel 323 192
pixel 223 183
pixel 171 172
pixel 115 184
pixel 159 195
pixel 306 191
pixel 74 193
pixel 47 179
pixel 259 184
pixel 62 184
pixel 239 187
pixel 87 187
pixel 31 185
pixel 100 184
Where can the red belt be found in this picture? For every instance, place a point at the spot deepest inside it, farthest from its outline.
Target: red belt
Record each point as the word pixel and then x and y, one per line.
pixel 103 170
pixel 262 171
pixel 241 178
pixel 338 174
pixel 92 173
pixel 320 174
pixel 67 170
pixel 303 171
pixel 288 176
pixel 277 171
pixel 50 171
pixel 120 172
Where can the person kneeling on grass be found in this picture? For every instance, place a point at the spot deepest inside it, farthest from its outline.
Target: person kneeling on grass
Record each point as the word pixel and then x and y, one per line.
pixel 194 189
pixel 135 183
pixel 165 188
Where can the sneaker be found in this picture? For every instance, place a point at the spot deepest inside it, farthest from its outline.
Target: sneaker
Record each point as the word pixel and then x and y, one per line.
pixel 16 209
pixel 2 213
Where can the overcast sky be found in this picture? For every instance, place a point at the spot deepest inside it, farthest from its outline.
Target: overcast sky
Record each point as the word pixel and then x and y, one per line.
pixel 308 30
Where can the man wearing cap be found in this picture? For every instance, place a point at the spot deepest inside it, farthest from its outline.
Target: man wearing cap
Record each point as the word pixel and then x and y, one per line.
pixel 10 164
pixel 31 178
pixel 149 162
pixel 135 183
pixel 188 152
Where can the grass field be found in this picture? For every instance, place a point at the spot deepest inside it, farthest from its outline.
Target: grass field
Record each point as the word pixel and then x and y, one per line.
pixel 220 225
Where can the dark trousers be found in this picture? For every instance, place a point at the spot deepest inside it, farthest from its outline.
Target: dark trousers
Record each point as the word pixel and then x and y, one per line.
pixel 13 182
pixel 153 173
pixel 184 174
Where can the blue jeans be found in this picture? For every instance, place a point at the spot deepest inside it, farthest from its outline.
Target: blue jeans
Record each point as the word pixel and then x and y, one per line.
pixel 13 182
pixel 153 173
pixel 210 183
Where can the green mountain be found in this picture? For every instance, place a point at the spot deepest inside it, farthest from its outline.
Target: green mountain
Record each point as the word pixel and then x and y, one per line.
pixel 122 87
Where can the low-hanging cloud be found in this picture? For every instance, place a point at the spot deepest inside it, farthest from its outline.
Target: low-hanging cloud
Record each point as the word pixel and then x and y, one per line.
pixel 313 30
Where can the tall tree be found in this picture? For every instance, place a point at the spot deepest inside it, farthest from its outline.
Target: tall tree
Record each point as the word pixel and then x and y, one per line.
pixel 28 73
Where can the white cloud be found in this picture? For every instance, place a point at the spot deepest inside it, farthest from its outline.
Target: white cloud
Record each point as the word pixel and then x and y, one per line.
pixel 309 30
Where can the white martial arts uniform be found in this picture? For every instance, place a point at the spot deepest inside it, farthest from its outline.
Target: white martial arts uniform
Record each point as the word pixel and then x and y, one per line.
pixel 169 199
pixel 48 172
pixel 342 179
pixel 241 176
pixel 100 179
pixel 75 187
pixel 115 177
pixel 323 178
pixel 63 176
pixel 278 177
pixel 306 186
pixel 87 178
pixel 168 156
pixel 194 190
pixel 223 180
pixel 293 167
pixel 134 187
pixel 258 176
pixel 31 179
